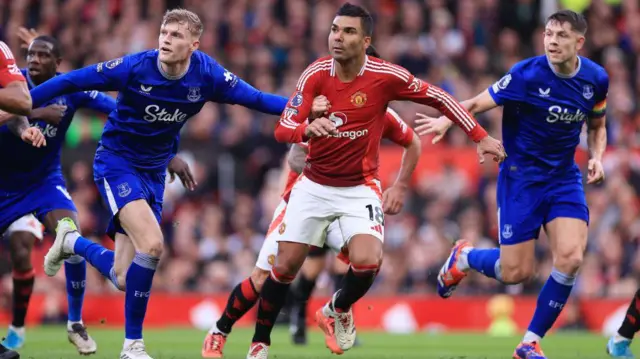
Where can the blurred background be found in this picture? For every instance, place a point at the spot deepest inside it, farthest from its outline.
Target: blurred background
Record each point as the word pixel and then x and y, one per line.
pixel 462 46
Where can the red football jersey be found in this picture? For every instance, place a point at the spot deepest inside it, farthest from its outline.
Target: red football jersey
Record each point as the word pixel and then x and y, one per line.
pixel 350 158
pixel 395 130
pixel 9 71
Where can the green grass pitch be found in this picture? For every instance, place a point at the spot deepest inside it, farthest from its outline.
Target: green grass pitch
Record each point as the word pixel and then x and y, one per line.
pixel 51 343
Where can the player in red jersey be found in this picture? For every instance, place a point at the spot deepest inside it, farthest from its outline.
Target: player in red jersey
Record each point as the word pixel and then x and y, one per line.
pixel 245 295
pixel 15 99
pixel 340 178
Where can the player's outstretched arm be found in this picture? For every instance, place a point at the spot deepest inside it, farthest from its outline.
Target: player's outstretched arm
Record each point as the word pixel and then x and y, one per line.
pixel 111 75
pixel 98 102
pixel 15 98
pixel 438 126
pixel 19 126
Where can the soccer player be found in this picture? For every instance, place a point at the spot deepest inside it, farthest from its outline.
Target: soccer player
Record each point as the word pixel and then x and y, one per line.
pixel 15 99
pixel 339 180
pixel 619 344
pixel 245 295
pixel 41 190
pixel 546 101
pixel 159 90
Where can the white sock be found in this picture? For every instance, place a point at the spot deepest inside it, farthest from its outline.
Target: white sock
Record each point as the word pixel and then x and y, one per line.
pixel 128 342
pixel 530 337
pixel 19 330
pixel 463 260
pixel 70 324
pixel 70 241
pixel 619 338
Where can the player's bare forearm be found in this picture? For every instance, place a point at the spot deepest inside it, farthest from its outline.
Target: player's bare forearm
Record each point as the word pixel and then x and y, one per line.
pixel 296 158
pixel 410 159
pixel 15 99
pixel 597 137
pixel 17 125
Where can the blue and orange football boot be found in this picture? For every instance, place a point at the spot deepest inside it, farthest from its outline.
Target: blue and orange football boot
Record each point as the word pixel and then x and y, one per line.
pixel 528 350
pixel 450 275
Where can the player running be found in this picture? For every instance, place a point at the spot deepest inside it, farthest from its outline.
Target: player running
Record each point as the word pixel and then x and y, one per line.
pixel 546 100
pixel 339 181
pixel 619 345
pixel 42 191
pixel 245 295
pixel 158 91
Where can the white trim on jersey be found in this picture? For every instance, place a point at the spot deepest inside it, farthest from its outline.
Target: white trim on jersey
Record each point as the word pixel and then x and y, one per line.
pixel 110 198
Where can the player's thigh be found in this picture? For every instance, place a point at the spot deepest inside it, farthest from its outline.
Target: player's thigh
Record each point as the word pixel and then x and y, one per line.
pixel 141 225
pixel 521 212
pixel 21 236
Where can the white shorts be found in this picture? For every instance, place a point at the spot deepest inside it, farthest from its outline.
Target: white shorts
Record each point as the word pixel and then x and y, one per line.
pixel 269 250
pixel 313 207
pixel 26 223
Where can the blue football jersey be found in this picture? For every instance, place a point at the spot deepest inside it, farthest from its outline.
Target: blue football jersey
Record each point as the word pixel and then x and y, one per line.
pixel 543 115
pixel 152 106
pixel 27 165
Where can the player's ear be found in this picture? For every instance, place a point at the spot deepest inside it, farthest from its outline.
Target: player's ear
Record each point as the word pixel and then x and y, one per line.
pixel 367 41
pixel 195 45
pixel 580 42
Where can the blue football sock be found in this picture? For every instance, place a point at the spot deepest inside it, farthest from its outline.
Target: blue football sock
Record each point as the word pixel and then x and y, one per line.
pixel 97 255
pixel 138 290
pixel 75 269
pixel 485 261
pixel 552 298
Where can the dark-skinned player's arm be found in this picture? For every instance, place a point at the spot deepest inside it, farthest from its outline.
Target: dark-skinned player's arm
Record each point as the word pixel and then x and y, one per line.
pixel 405 86
pixel 293 126
pixel 14 94
pixel 397 131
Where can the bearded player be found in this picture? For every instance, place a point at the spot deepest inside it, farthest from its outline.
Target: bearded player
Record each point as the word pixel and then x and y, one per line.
pixel 546 101
pixel 159 90
pixel 245 295
pixel 339 181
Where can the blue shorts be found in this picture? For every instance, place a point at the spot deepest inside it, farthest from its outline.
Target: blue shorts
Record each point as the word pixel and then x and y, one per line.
pixel 524 206
pixel 38 199
pixel 119 183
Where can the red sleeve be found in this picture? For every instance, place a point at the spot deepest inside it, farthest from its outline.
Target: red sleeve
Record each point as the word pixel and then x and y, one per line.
pixel 396 130
pixel 405 86
pixel 291 127
pixel 9 71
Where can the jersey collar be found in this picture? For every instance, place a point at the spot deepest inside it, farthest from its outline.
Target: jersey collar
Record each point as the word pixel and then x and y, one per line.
pixel 565 76
pixel 170 77
pixel 333 66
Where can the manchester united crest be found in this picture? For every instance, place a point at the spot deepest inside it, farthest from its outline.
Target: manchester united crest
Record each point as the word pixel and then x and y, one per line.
pixel 358 99
pixel 283 227
pixel 271 259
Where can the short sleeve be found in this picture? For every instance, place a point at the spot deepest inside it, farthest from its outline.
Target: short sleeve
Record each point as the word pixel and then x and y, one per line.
pixel 510 88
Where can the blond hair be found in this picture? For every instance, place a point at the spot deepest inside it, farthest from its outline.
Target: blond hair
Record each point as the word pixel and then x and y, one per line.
pixel 183 16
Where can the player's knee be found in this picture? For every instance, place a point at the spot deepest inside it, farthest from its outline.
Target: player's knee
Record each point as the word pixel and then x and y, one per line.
pixel 258 276
pixel 21 258
pixel 369 256
pixel 569 262
pixel 514 274
pixel 152 246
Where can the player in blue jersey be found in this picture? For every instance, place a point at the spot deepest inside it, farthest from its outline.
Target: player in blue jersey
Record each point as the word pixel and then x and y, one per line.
pixel 158 91
pixel 32 182
pixel 546 101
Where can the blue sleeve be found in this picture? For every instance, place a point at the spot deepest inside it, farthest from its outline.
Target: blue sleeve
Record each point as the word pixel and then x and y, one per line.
pixel 228 88
pixel 510 88
pixel 98 101
pixel 111 75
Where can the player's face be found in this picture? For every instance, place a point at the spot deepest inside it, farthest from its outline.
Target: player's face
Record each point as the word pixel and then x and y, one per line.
pixel 41 61
pixel 346 39
pixel 176 43
pixel 561 42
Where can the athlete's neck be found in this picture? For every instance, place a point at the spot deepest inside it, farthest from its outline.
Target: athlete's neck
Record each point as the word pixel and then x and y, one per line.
pixel 176 69
pixel 568 67
pixel 348 70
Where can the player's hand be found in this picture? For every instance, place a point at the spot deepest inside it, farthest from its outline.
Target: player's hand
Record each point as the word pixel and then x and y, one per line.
pixel 596 172
pixel 393 199
pixel 34 136
pixel 320 127
pixel 179 167
pixel 491 146
pixel 320 107
pixel 431 125
pixel 51 114
pixel 26 36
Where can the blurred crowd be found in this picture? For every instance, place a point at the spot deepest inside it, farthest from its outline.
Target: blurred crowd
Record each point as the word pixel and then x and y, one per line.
pixel 462 46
